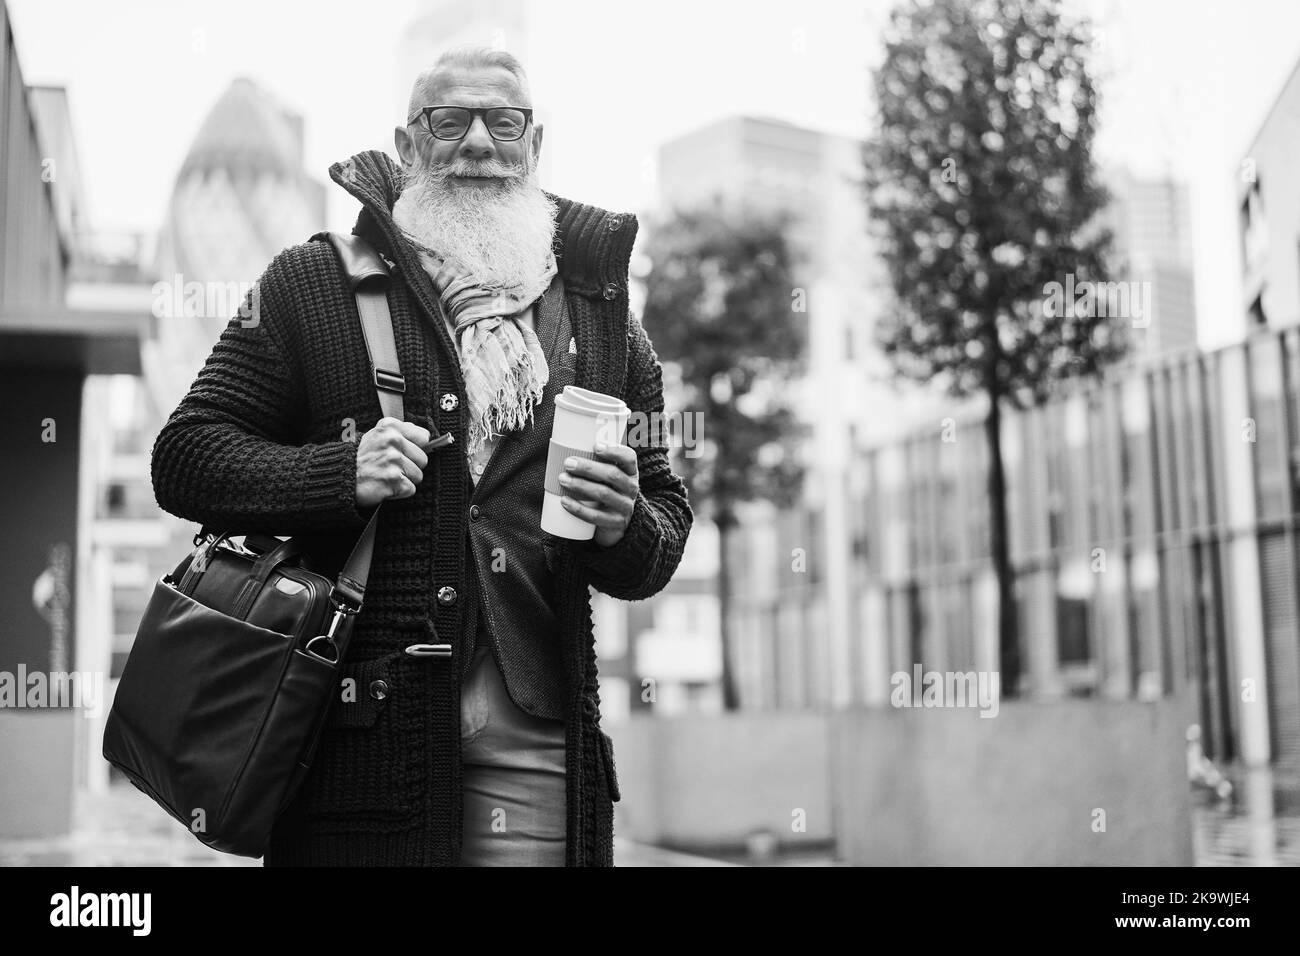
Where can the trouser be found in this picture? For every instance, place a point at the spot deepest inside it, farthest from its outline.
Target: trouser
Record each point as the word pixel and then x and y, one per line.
pixel 513 776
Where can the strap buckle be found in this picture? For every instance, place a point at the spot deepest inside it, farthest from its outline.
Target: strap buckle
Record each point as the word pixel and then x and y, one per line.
pixel 390 381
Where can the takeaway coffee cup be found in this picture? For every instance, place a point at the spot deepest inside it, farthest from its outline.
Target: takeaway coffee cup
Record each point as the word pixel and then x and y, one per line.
pixel 582 418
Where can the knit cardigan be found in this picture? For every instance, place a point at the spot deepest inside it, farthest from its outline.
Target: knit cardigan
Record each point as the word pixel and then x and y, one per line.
pixel 266 440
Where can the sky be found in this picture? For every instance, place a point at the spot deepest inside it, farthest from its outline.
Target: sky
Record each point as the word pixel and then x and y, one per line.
pixel 1185 85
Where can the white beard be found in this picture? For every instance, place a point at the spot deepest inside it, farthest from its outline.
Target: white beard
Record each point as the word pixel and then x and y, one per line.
pixel 502 232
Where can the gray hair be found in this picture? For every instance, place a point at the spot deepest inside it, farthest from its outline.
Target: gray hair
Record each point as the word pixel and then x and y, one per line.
pixel 469 55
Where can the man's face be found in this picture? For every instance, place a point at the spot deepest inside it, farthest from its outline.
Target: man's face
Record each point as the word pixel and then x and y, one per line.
pixel 476 200
pixel 476 160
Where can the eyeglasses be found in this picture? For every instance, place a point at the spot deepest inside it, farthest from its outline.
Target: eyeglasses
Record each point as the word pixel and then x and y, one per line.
pixel 504 123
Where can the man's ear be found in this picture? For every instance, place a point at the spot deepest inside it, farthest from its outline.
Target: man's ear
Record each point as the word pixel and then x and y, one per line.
pixel 537 144
pixel 405 146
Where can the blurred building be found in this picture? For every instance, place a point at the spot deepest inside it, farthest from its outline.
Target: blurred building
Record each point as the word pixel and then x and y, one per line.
pixel 1268 198
pixel 762 164
pixel 440 25
pixel 1153 540
pixel 1151 223
pixel 67 318
pixel 240 197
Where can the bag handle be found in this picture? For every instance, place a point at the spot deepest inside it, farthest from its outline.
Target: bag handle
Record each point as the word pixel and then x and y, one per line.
pixel 262 568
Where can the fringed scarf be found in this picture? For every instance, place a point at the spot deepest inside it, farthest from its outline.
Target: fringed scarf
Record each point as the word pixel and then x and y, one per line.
pixel 501 358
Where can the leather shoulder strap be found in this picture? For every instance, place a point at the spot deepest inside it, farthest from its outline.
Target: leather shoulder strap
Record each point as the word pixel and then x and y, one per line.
pixel 368 276
pixel 360 260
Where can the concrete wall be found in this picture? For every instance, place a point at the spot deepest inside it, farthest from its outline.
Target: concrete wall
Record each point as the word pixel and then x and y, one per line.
pixel 39 518
pixel 39 513
pixel 920 787
pixel 947 787
pixel 36 762
pixel 707 781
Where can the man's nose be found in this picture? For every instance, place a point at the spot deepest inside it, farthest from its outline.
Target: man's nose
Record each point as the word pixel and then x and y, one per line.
pixel 478 143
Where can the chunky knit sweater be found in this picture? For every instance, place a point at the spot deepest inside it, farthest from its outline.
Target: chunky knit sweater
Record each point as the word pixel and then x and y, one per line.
pixel 266 440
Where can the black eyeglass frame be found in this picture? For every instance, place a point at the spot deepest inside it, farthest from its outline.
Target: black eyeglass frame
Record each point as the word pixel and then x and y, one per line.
pixel 475 112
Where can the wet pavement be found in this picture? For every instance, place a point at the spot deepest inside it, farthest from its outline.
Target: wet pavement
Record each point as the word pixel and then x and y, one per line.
pixel 123 827
pixel 1258 826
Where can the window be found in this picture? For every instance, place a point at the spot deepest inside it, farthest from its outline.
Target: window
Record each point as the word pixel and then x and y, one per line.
pixel 1272 481
pixel 1072 630
pixel 115 499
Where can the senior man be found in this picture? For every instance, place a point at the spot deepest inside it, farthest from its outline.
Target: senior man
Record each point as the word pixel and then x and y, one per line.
pixel 501 294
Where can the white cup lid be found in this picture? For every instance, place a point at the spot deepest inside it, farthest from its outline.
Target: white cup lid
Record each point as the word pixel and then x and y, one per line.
pixel 587 402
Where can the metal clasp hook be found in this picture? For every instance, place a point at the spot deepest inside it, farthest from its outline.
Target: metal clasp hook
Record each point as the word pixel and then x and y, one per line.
pixel 341 611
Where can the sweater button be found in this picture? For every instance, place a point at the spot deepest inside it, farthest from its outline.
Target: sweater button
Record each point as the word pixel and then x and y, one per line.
pixel 379 689
pixel 615 224
pixel 611 291
pixel 446 595
pixel 474 512
pixel 449 402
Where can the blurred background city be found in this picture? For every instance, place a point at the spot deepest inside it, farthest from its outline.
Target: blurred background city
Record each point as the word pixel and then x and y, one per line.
pixel 1112 531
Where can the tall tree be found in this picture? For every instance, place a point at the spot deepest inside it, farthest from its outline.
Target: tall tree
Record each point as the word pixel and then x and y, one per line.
pixel 981 181
pixel 721 304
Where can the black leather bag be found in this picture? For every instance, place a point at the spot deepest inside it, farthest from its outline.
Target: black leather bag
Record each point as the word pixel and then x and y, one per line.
pixel 238 655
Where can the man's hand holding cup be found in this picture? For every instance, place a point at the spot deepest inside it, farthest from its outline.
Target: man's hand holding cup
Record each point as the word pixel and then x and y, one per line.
pixel 602 490
pixel 591 476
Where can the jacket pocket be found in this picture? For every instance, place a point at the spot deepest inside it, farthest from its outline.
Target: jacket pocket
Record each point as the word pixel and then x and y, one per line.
pixel 357 771
pixel 363 692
